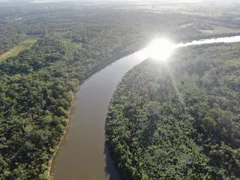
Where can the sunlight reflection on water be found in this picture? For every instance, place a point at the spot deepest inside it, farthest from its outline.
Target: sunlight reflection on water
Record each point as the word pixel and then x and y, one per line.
pixel 160 49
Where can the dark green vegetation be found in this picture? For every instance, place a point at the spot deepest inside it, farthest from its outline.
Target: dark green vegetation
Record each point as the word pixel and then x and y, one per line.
pixel 155 132
pixel 24 45
pixel 36 91
pixel 74 41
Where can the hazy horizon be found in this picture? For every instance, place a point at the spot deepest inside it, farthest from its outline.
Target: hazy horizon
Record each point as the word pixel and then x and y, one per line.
pixel 142 1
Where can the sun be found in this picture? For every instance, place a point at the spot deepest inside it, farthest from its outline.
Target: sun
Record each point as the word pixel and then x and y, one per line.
pixel 160 49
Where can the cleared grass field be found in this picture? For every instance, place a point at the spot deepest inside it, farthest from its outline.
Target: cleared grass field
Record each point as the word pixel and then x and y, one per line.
pixel 27 44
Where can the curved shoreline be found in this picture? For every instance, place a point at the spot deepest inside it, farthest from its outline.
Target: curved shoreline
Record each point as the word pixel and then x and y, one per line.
pixel 50 162
pixel 68 120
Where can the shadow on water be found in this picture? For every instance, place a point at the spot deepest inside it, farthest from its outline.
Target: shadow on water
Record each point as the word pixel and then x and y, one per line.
pixel 110 168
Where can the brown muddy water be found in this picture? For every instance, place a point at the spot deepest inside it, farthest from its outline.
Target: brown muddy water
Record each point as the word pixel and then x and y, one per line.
pixel 82 155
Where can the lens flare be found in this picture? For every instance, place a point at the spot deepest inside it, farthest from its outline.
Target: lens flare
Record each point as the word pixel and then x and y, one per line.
pixel 160 49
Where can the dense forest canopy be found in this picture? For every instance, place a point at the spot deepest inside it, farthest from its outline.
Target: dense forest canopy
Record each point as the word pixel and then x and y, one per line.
pixel 179 120
pixel 48 50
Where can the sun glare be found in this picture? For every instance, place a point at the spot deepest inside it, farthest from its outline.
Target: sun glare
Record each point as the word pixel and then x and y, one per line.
pixel 160 49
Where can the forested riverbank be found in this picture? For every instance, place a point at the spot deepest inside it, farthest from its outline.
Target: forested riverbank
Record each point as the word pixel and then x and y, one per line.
pixel 66 44
pixel 181 120
pixel 37 88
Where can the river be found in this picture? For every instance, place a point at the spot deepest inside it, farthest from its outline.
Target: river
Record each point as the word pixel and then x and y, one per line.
pixel 82 155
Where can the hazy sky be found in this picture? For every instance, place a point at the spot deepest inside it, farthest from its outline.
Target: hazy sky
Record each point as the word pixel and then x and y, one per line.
pixel 147 1
pixel 123 0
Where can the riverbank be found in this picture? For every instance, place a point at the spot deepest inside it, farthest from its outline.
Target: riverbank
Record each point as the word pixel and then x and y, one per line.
pixel 104 93
pixel 147 121
pixel 60 142
pixel 108 63
pixel 50 163
pixel 84 155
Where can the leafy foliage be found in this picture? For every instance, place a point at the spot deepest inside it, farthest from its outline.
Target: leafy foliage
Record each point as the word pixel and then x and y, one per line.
pixel 74 41
pixel 179 120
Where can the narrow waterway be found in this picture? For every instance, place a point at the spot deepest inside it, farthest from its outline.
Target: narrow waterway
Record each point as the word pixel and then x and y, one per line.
pixel 82 155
